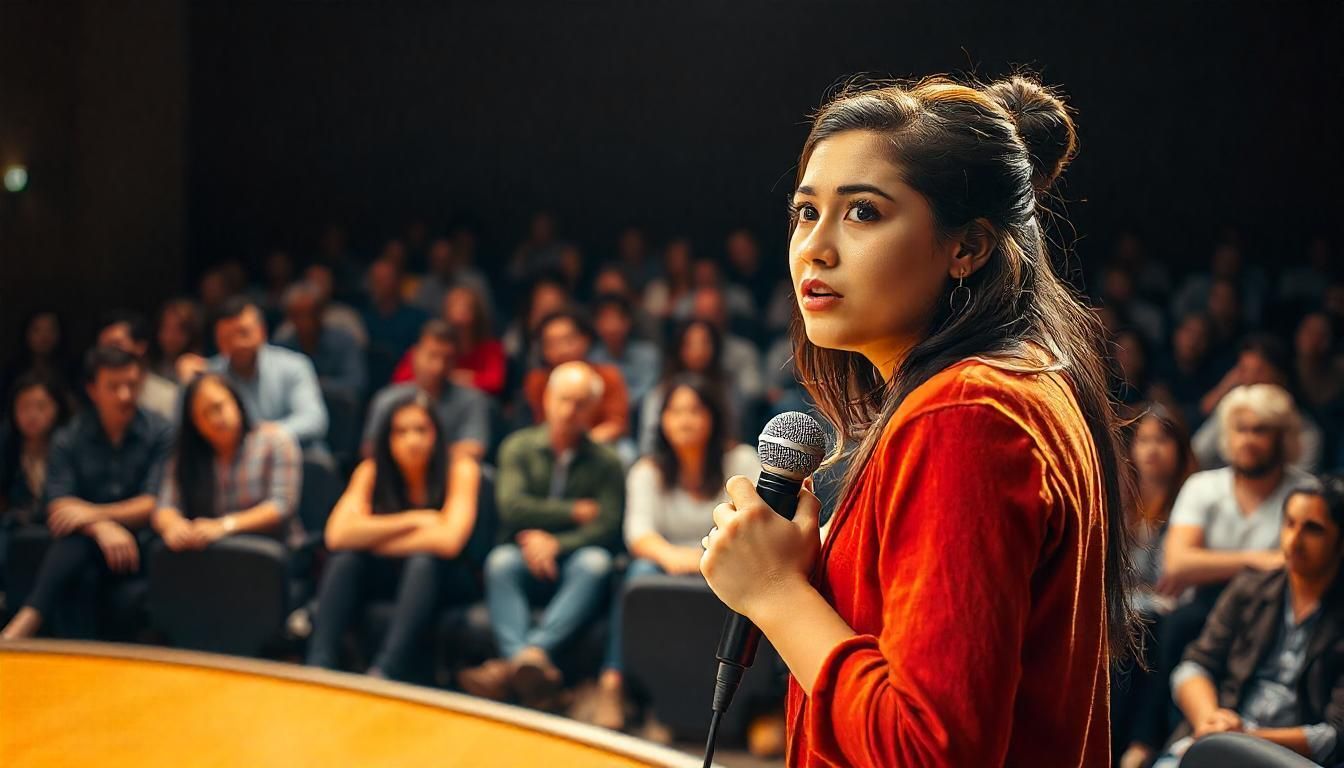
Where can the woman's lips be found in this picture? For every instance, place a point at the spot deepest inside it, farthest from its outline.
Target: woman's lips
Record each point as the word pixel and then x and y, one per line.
pixel 818 296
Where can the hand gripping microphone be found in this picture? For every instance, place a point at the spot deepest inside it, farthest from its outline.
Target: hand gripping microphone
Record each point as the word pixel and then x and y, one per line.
pixel 791 447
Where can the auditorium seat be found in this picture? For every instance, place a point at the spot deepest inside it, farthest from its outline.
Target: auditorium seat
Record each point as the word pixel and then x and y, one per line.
pixel 1238 749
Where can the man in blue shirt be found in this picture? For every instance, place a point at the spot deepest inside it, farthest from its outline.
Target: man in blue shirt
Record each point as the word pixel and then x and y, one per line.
pixel 103 474
pixel 277 384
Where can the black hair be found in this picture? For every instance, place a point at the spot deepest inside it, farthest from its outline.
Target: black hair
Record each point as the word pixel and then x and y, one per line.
pixel 135 322
pixel 194 457
pixel 572 314
pixel 11 441
pixel 105 357
pixel 665 458
pixel 1330 489
pixel 616 300
pixel 389 484
pixel 439 330
pixel 233 307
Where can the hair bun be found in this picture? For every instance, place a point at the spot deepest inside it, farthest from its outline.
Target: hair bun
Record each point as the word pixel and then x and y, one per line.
pixel 1044 124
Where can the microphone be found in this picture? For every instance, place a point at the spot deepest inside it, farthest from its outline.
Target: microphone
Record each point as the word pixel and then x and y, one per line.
pixel 790 448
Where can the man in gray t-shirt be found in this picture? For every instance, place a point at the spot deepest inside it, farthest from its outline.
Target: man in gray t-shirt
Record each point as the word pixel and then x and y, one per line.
pixel 463 412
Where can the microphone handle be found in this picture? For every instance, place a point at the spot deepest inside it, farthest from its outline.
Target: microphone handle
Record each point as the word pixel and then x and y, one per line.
pixel 737 644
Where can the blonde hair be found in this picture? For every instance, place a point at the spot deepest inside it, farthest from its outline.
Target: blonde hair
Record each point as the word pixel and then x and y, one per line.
pixel 1269 402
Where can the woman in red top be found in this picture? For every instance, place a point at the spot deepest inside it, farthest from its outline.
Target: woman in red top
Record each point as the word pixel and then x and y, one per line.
pixel 968 595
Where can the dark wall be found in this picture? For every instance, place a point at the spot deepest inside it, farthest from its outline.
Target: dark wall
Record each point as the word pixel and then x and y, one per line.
pixel 93 102
pixel 689 116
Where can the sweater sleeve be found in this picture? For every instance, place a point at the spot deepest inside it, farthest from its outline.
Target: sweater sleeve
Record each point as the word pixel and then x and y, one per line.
pixel 965 511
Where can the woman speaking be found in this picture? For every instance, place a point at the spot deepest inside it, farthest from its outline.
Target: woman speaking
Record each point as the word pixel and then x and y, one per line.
pixel 969 592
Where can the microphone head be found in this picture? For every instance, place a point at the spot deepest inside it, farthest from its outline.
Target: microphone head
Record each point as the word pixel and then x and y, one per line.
pixel 792 444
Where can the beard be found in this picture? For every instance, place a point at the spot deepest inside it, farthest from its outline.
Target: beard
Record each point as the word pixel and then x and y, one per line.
pixel 1266 466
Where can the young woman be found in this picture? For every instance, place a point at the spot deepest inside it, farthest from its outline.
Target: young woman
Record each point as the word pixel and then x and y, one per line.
pixel 180 331
pixel 399 530
pixel 1159 449
pixel 968 595
pixel 37 406
pixel 227 475
pixel 696 347
pixel 670 495
pixel 480 356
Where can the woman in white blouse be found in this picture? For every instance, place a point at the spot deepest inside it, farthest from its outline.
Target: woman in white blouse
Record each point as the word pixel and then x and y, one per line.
pixel 670 498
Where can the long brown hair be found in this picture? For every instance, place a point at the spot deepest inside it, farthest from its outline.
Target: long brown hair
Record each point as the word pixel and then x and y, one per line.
pixel 1154 512
pixel 977 152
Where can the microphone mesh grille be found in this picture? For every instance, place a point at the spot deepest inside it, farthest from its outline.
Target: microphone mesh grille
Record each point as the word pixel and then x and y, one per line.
pixel 793 442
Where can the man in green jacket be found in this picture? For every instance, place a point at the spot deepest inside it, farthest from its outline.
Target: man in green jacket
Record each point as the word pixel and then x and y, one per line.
pixel 560 499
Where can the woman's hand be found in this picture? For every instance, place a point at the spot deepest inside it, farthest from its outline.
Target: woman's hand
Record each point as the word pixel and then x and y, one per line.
pixel 753 554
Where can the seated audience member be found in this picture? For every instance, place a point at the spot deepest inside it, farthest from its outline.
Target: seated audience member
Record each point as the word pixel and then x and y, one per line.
pixel 41 348
pixel 447 269
pixel 560 497
pixel 463 412
pixel 129 331
pixel 398 532
pixel 336 356
pixel 103 472
pixel 480 360
pixel 180 332
pixel 672 282
pixel 1319 373
pixel 695 347
pixel 1159 449
pixel 1188 370
pixel 637 359
pixel 546 294
pixel 741 359
pixel 334 313
pixel 391 322
pixel 227 475
pixel 564 337
pixel 1270 660
pixel 1263 360
pixel 37 407
pixel 670 497
pixel 276 384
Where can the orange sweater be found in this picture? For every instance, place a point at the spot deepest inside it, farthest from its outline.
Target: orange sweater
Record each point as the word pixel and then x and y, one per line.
pixel 969 564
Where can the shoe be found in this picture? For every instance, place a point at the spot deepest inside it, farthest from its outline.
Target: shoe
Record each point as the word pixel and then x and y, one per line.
pixel 609 708
pixel 536 681
pixel 489 680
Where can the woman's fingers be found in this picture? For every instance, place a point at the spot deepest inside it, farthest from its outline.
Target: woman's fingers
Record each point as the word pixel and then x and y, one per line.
pixel 723 513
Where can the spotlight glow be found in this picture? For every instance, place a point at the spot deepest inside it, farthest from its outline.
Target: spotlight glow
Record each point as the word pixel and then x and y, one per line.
pixel 16 178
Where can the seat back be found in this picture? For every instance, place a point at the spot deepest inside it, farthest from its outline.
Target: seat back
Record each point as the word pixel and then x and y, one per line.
pixel 1223 749
pixel 231 597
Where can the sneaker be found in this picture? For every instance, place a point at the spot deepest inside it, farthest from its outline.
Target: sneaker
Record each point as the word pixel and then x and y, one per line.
pixel 489 680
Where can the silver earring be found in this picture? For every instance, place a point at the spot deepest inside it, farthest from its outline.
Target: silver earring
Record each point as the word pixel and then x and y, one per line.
pixel 961 296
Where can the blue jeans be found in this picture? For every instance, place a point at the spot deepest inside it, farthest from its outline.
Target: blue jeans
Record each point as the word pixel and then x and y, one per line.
pixel 639 567
pixel 573 598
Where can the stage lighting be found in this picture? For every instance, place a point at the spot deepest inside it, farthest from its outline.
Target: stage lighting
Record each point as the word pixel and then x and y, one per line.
pixel 16 178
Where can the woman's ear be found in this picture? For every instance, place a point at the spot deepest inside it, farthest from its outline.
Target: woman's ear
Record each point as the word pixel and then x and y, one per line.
pixel 973 248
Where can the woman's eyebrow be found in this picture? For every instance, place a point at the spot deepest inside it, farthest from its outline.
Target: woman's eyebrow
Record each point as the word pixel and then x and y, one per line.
pixel 848 189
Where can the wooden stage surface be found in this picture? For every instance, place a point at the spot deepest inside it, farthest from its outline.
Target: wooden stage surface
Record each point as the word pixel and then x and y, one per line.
pixel 96 704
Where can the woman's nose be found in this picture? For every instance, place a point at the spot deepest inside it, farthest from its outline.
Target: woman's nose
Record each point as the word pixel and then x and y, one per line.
pixel 817 247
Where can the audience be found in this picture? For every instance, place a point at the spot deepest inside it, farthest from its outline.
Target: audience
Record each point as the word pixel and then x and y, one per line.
pixel 276 384
pixel 637 359
pixel 41 349
pixel 103 473
pixel 560 497
pixel 129 331
pixel 399 532
pixel 392 324
pixel 180 332
pixel 696 347
pixel 462 412
pixel 36 408
pixel 565 336
pixel 334 353
pixel 1270 661
pixel 670 497
pixel 227 475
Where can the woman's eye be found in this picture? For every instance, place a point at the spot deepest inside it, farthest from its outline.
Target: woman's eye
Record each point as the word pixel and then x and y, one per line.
pixel 862 211
pixel 804 212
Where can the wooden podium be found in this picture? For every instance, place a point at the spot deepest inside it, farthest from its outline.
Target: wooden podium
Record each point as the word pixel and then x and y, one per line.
pixel 95 704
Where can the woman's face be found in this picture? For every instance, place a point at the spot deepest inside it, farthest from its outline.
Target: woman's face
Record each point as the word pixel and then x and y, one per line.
pixel 35 413
pixel 1155 454
pixel 44 333
pixel 459 308
pixel 697 349
pixel 411 438
pixel 686 421
pixel 173 334
pixel 216 415
pixel 871 238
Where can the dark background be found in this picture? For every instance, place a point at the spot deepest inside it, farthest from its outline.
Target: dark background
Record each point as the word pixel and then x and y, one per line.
pixel 166 136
